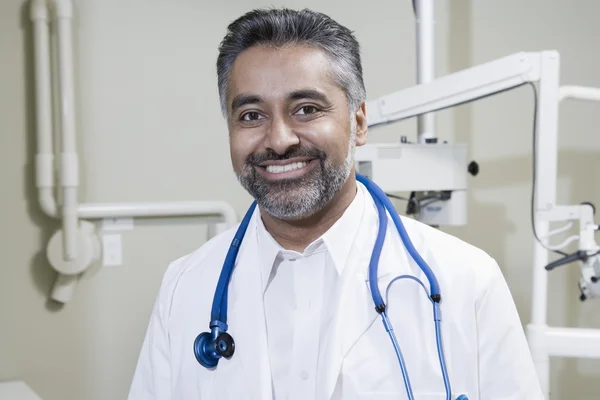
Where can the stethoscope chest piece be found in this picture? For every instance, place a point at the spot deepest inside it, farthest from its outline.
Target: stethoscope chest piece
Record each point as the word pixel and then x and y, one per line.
pixel 210 347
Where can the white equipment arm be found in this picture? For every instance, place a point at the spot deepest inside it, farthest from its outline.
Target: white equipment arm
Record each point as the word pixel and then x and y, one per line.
pixel 457 88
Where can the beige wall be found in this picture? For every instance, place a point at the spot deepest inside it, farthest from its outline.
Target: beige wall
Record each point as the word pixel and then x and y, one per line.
pixel 150 130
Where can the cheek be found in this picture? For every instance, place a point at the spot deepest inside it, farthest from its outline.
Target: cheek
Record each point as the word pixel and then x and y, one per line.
pixel 332 137
pixel 238 154
pixel 241 146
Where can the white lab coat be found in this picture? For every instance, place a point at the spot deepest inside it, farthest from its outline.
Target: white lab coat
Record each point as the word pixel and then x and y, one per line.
pixel 485 347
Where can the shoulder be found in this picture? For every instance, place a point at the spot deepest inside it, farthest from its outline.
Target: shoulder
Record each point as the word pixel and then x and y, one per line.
pixel 196 258
pixel 450 246
pixel 453 258
pixel 199 261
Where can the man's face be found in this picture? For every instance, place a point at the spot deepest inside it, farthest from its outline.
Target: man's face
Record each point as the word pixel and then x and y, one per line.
pixel 292 133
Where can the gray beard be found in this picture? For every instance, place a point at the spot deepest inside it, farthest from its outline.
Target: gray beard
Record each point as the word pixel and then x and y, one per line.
pixel 295 199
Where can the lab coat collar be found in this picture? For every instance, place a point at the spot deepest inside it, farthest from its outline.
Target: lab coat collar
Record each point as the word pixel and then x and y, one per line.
pixel 338 239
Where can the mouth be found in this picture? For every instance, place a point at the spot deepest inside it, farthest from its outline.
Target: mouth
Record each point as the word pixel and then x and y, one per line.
pixel 286 169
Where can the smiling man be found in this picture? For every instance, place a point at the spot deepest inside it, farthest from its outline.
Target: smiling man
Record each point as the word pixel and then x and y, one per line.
pixel 296 319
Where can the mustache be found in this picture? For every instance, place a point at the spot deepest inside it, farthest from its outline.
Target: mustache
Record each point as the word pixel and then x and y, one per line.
pixel 271 155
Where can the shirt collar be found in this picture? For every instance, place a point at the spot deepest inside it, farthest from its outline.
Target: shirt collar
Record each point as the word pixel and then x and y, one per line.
pixel 338 240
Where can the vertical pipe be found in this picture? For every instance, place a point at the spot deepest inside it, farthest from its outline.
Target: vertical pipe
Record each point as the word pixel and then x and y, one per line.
pixel 69 162
pixel 425 18
pixel 546 153
pixel 44 159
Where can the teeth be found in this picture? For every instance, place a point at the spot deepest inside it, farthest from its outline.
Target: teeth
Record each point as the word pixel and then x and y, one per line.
pixel 277 169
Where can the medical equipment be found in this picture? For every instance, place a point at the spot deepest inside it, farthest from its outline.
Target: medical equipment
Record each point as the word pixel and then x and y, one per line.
pixel 209 347
pixel 75 247
pixel 433 172
pixel 489 79
pixel 428 169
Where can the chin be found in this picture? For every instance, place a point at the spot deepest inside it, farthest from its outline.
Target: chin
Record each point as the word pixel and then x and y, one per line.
pixel 294 206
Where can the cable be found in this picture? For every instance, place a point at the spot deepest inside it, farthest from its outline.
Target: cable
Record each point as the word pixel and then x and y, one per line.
pixel 393 196
pixel 434 286
pixel 534 173
pixel 440 347
pixel 437 318
pixel 390 330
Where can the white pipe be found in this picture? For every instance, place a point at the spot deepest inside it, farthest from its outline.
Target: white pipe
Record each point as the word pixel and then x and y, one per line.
pixel 579 93
pixel 546 173
pixel 69 163
pixel 64 287
pixel 425 61
pixel 44 159
pixel 176 209
pixel 573 342
pixel 540 277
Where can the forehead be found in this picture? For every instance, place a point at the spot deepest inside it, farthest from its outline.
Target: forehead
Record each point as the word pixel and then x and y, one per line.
pixel 273 72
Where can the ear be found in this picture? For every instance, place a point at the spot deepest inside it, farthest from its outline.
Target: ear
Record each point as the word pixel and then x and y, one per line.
pixel 361 124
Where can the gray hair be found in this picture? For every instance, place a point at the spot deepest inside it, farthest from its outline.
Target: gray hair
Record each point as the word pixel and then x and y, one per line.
pixel 283 27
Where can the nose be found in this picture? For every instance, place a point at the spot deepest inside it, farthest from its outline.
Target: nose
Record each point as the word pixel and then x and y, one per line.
pixel 281 136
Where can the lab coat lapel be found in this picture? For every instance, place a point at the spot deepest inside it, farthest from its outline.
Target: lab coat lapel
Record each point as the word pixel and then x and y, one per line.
pixel 247 320
pixel 354 315
pixel 355 311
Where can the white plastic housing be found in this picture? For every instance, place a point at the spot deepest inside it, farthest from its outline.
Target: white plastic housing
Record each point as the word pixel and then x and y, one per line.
pixel 451 212
pixel 402 167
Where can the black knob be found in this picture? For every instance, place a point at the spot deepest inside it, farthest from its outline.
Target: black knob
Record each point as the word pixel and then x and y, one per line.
pixel 431 140
pixel 403 139
pixel 225 345
pixel 473 168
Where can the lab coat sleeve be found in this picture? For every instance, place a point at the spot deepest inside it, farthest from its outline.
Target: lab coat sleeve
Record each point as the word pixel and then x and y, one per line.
pixel 506 369
pixel 152 377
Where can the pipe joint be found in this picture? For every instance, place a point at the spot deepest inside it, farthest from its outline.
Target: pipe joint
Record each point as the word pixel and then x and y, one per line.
pixel 69 170
pixel 62 8
pixel 38 10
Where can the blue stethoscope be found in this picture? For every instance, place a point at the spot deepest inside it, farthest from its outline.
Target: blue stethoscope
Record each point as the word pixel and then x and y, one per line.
pixel 209 347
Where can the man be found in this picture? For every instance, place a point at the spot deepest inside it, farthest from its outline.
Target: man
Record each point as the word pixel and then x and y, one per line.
pixel 299 302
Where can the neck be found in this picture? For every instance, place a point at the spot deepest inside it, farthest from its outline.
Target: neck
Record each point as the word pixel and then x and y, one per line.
pixel 298 234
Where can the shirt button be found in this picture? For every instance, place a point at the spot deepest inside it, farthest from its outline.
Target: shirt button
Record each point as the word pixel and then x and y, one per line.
pixel 304 375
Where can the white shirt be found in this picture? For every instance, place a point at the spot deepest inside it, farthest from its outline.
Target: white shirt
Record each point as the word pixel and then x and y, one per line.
pixel 299 293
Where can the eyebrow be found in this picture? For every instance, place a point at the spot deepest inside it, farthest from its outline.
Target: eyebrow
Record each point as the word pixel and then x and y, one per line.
pixel 310 94
pixel 244 99
pixel 301 94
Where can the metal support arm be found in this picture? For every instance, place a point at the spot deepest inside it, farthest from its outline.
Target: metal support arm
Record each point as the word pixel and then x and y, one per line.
pixel 489 79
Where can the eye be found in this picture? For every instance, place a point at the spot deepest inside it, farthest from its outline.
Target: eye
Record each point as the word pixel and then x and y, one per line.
pixel 251 116
pixel 305 110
